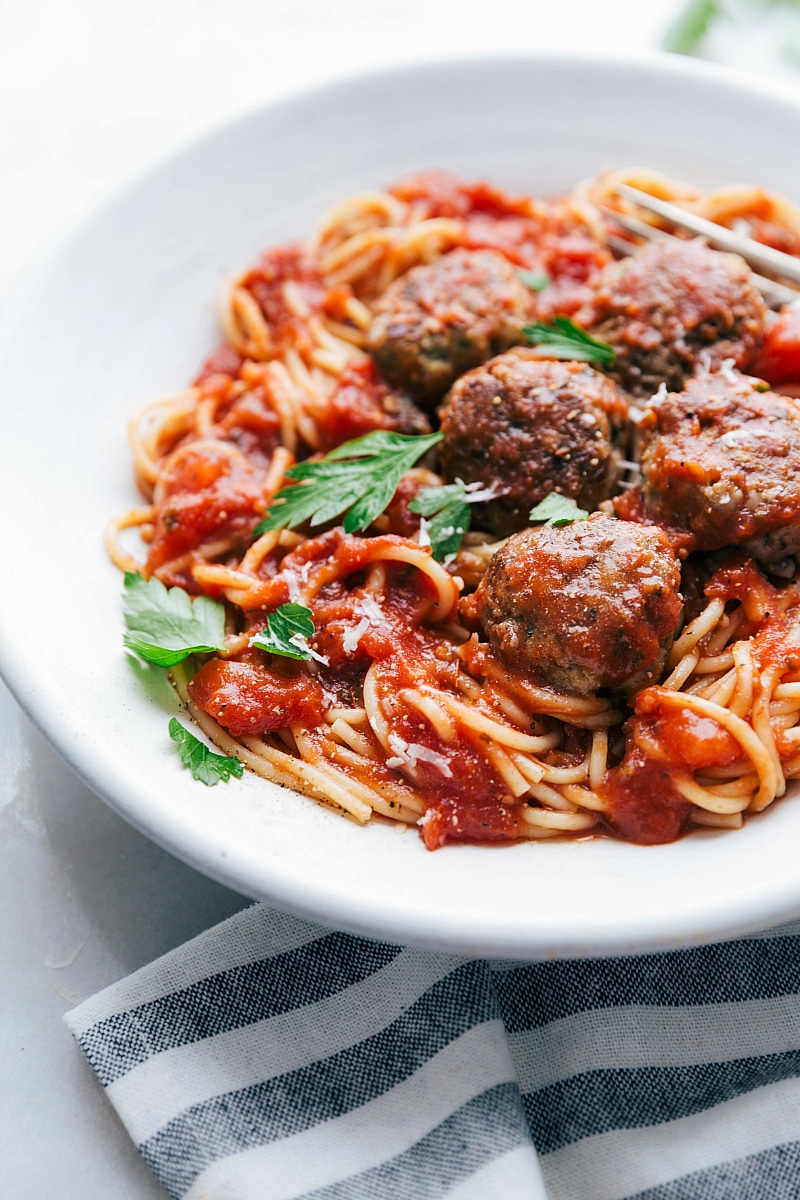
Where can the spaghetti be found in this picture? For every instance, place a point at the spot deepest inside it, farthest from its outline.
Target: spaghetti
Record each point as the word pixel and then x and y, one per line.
pixel 405 708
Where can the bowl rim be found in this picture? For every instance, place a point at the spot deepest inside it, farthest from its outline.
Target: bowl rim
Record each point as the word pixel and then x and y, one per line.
pixel 443 933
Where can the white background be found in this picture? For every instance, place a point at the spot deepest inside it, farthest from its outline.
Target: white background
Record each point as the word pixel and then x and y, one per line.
pixel 90 91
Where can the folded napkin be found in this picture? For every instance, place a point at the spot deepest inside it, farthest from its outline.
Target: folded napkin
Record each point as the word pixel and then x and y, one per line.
pixel 273 1059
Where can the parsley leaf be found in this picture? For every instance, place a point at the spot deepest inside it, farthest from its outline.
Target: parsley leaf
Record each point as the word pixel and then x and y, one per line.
pixel 537 281
pixel 558 510
pixel 452 517
pixel 286 633
pixel 565 339
pixel 358 479
pixel 206 766
pixel 687 32
pixel 165 625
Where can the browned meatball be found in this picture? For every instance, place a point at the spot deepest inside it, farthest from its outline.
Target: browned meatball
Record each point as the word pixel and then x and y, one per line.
pixel 585 606
pixel 722 460
pixel 527 426
pixel 445 317
pixel 672 306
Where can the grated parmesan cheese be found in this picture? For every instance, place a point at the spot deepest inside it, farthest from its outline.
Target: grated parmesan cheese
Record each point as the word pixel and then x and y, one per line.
pixel 727 371
pixel 477 493
pixel 298 640
pixel 293 585
pixel 353 635
pixel 410 753
pixel 370 607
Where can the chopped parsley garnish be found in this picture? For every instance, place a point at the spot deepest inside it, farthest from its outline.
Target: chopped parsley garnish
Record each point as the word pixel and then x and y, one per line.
pixel 358 478
pixel 558 510
pixel 537 281
pixel 165 625
pixel 564 339
pixel 449 507
pixel 287 633
pixel 206 766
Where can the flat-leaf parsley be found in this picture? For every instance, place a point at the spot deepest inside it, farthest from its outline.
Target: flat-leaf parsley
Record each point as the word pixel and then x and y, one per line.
pixel 449 506
pixel 287 632
pixel 358 479
pixel 206 766
pixel 565 339
pixel 558 510
pixel 165 625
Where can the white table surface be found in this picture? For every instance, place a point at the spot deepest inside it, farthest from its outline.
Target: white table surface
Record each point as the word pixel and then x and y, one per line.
pixel 90 91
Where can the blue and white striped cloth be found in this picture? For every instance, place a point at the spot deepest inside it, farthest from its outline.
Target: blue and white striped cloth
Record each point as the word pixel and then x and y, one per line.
pixel 273 1059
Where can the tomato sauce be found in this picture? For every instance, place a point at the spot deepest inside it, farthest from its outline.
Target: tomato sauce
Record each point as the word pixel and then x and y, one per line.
pixel 779 360
pixel 250 698
pixel 261 693
pixel 357 405
pixel 740 579
pixel 224 361
pixel 266 282
pixel 532 234
pixel 662 741
pixel 643 804
pixel 629 506
pixel 210 494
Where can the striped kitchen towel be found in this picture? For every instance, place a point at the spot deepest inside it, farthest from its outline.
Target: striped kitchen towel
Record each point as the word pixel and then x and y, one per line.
pixel 273 1059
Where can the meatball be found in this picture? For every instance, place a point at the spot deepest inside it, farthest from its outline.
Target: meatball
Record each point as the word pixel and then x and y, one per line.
pixel 589 605
pixel 527 426
pixel 674 305
pixel 445 317
pixel 722 461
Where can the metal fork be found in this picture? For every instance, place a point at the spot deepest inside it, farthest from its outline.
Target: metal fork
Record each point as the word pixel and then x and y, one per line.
pixel 775 294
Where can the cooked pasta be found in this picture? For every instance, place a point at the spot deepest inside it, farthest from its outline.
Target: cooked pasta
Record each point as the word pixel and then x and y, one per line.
pixel 633 674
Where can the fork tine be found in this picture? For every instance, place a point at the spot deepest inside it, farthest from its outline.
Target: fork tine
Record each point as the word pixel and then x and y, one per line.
pixel 775 294
pixel 763 257
pixel 639 228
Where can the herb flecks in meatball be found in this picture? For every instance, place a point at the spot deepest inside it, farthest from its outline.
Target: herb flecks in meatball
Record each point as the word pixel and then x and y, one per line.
pixel 722 461
pixel 445 317
pixel 585 606
pixel 527 426
pixel 674 306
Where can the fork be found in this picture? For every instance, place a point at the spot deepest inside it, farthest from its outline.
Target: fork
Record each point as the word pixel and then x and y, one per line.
pixel 775 294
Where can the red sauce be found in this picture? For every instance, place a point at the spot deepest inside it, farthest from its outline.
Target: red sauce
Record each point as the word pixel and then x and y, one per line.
pixel 465 800
pixel 643 804
pixel 471 816
pixel 777 236
pixel 249 699
pixel 679 736
pixel 777 645
pixel 224 361
pixel 266 283
pixel 629 505
pixel 356 406
pixel 439 194
pixel 529 233
pixel 209 495
pixel 401 519
pixel 252 425
pixel 740 579
pixel 779 360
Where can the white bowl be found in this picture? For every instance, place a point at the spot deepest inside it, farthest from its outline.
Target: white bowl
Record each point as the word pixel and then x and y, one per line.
pixel 125 307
